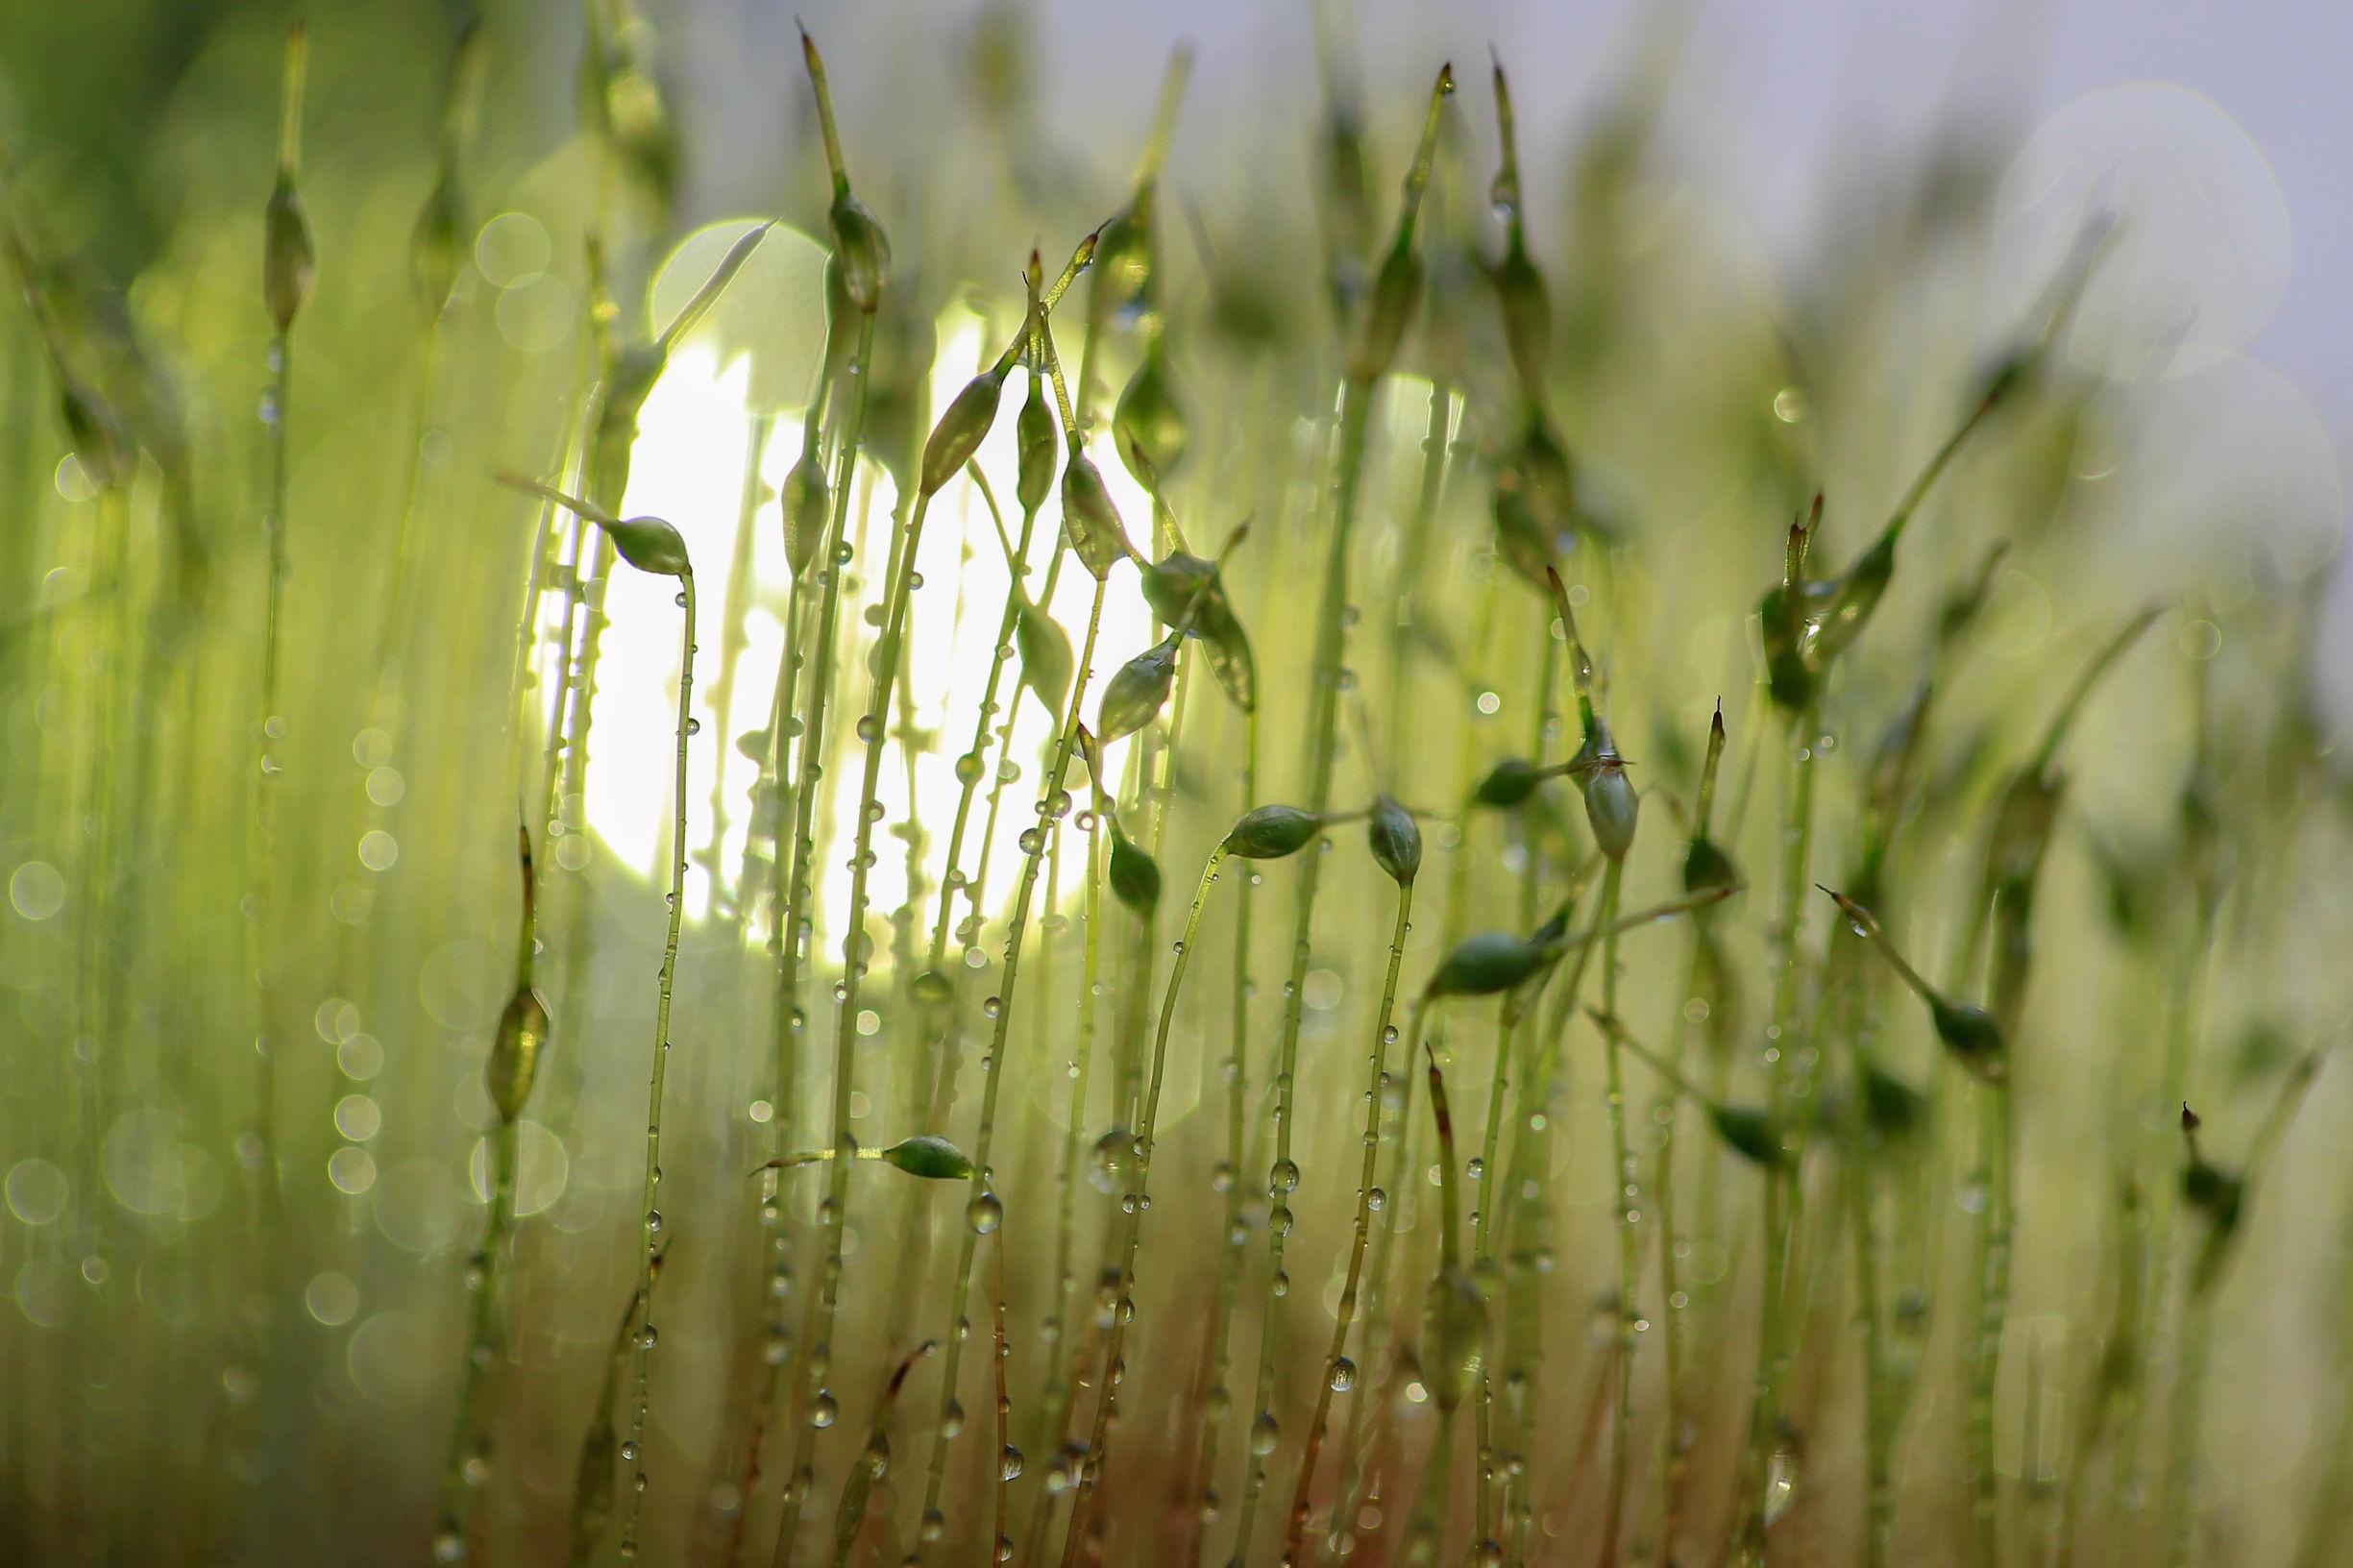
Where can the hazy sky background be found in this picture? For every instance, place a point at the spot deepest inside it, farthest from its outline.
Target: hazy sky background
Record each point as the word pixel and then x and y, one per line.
pixel 1776 105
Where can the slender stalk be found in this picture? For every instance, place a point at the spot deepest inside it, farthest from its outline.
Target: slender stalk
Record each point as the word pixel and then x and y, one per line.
pixel 791 1021
pixel 1779 1054
pixel 1232 1236
pixel 1340 1373
pixel 1283 1175
pixel 632 1452
pixel 1133 1205
pixel 1624 1212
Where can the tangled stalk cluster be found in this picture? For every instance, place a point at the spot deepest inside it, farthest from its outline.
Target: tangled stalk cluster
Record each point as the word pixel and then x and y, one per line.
pixel 1592 1189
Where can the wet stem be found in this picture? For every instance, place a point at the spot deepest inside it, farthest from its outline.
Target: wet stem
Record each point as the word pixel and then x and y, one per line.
pixel 1346 1313
pixel 1331 643
pixel 652 1218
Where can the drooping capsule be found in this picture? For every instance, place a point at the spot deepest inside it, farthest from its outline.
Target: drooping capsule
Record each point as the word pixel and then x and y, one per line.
pixel 1187 591
pixel 1134 876
pixel 1487 962
pixel 1089 519
pixel 1136 691
pixel 1148 423
pixel 928 1156
pixel 1045 653
pixel 961 430
pixel 1272 832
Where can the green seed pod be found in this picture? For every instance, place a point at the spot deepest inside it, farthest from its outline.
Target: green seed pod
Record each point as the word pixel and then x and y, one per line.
pixel 932 1158
pixel 1089 519
pixel 1134 876
pixel 1136 692
pixel 1892 1108
pixel 961 431
pixel 807 505
pixel 287 259
pixel 1748 1132
pixel 515 1052
pixel 1527 315
pixel 1706 867
pixel 1034 433
pixel 861 248
pixel 1396 841
pixel 1612 805
pixel 1181 585
pixel 1272 832
pixel 1455 1334
pixel 1970 1033
pixel 436 248
pixel 2215 1192
pixel 1396 292
pixel 1148 424
pixel 650 545
pixel 1045 654
pixel 1508 783
pixel 1487 962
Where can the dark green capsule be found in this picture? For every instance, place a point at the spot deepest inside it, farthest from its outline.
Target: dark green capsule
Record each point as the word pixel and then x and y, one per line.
pixel 287 259
pixel 1707 867
pixel 1527 315
pixel 1137 692
pixel 2213 1191
pixel 515 1051
pixel 1089 519
pixel 650 545
pixel 862 250
pixel 1045 653
pixel 807 502
pixel 1184 588
pixel 934 1158
pixel 436 248
pixel 1396 841
pixel 1508 783
pixel 1034 433
pixel 1487 962
pixel 1970 1033
pixel 1892 1108
pixel 1148 424
pixel 1748 1132
pixel 1396 293
pixel 1134 876
pixel 1272 832
pixel 961 431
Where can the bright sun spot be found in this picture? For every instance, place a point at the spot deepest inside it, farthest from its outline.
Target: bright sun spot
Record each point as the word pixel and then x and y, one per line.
pixel 694 439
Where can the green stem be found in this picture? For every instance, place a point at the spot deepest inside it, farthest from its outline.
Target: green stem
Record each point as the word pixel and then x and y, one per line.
pixel 633 1453
pixel 1133 1205
pixel 1331 646
pixel 1336 1357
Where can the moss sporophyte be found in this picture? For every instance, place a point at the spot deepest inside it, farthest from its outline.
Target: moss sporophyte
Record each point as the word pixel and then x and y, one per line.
pixel 1487 575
